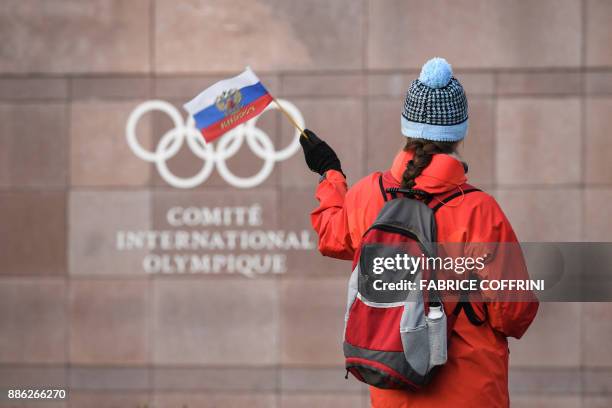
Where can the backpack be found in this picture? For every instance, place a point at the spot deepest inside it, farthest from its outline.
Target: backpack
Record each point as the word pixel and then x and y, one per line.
pixel 396 339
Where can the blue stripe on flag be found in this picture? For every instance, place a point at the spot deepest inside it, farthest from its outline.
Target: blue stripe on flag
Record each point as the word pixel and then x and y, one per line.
pixel 210 115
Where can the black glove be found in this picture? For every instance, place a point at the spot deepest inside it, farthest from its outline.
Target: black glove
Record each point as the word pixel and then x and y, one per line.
pixel 319 156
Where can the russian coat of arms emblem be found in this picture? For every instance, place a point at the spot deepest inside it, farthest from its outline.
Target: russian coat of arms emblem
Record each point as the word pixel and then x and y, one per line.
pixel 229 101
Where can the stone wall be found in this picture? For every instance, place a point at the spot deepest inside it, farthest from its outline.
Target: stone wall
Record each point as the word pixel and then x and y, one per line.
pixel 77 312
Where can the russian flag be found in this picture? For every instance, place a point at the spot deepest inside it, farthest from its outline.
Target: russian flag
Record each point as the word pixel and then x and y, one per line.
pixel 228 103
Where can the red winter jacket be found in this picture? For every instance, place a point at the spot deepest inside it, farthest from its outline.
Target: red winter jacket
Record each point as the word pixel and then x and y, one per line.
pixel 476 373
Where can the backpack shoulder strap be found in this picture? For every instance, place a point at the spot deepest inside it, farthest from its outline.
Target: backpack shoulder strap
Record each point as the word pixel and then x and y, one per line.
pixel 435 202
pixel 382 188
pixel 464 303
pixel 470 313
pixel 405 192
pixel 439 202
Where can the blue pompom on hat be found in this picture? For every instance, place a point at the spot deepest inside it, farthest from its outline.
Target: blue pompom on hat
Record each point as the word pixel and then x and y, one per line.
pixel 436 106
pixel 436 73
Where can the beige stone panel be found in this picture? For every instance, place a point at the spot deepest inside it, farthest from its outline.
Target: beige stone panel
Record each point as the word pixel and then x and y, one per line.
pixel 478 147
pixel 184 87
pixel 97 220
pixel 175 209
pixel 267 35
pixel 536 381
pixel 33 145
pixel 597 334
pixel 550 341
pixel 319 380
pixel 107 87
pixel 598 83
pixel 598 380
pixel 338 121
pixel 598 141
pixel 384 138
pixel 597 221
pixel 320 400
pixel 547 401
pixel 75 36
pixel 50 375
pixel 598 33
pixel 214 400
pixel 109 378
pixel 294 215
pixel 474 33
pixel 539 83
pixel 542 214
pixel 223 322
pixel 538 141
pixel 596 401
pixel 323 85
pixel 397 84
pixel 390 84
pixel 38 404
pixel 81 399
pixel 216 379
pixel 33 233
pixel 100 154
pixel 33 88
pixel 476 83
pixel 312 320
pixel 5 159
pixel 33 323
pixel 365 399
pixel 109 322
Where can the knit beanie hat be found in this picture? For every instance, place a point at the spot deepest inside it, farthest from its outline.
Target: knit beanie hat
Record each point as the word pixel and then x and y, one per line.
pixel 435 107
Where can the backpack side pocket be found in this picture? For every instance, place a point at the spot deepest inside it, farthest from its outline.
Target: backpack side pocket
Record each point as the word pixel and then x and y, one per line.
pixel 414 334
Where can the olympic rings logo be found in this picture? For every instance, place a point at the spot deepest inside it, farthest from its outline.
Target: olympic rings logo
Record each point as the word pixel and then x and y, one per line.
pixel 228 145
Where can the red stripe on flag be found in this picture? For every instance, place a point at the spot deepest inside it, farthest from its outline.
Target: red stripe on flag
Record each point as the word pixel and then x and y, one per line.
pixel 229 122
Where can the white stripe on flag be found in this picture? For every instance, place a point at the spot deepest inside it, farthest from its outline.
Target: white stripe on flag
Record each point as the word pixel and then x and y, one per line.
pixel 207 97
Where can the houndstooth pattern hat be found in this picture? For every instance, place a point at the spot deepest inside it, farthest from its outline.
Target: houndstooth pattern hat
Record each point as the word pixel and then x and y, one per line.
pixel 436 107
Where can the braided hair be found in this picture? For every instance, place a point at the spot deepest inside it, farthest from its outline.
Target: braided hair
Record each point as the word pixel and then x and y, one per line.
pixel 424 150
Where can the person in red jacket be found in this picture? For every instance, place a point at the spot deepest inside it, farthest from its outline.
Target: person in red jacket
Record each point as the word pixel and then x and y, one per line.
pixel 434 121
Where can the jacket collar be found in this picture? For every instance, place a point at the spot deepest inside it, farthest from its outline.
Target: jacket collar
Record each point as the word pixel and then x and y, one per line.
pixel 444 173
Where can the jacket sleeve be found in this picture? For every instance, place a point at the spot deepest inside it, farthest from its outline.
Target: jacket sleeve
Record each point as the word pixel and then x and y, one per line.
pixel 330 219
pixel 499 243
